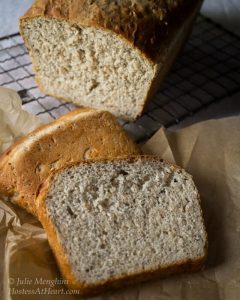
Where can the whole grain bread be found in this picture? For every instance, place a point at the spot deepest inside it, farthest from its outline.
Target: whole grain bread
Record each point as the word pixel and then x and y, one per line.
pixel 79 135
pixel 106 54
pixel 115 222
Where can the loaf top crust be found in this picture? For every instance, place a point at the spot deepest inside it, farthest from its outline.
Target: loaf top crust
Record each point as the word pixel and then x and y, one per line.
pixel 144 24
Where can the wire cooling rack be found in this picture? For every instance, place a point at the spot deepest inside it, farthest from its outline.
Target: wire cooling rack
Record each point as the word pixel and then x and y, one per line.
pixel 207 71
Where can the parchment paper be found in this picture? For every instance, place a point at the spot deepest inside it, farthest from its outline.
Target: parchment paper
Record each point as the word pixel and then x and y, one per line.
pixel 210 151
pixel 14 121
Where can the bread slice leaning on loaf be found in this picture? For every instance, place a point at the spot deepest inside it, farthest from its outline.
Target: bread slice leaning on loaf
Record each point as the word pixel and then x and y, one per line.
pixel 113 222
pixel 79 135
pixel 105 54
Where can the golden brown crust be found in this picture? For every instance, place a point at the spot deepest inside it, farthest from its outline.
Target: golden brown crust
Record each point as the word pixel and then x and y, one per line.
pixel 73 283
pixel 143 24
pixel 171 47
pixel 25 165
pixel 7 175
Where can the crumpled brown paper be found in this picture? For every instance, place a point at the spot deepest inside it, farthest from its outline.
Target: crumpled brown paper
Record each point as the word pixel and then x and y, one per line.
pixel 210 151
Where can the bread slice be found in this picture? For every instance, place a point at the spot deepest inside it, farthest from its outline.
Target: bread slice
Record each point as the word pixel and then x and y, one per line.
pixel 110 55
pixel 119 221
pixel 79 135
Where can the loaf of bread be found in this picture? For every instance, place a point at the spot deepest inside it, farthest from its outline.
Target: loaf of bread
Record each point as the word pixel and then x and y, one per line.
pixel 79 135
pixel 112 222
pixel 110 55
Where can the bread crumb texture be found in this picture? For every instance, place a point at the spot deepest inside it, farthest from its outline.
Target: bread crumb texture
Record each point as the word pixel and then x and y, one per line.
pixel 125 217
pixel 90 66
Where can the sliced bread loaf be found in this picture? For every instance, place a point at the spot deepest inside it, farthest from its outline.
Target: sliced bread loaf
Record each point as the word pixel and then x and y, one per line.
pixel 106 54
pixel 79 135
pixel 118 221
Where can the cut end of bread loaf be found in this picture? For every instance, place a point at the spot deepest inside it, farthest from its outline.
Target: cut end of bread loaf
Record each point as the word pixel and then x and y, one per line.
pixel 110 55
pixel 88 66
pixel 111 222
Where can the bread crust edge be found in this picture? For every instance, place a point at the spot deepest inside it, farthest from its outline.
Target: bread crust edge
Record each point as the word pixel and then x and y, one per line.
pixel 122 21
